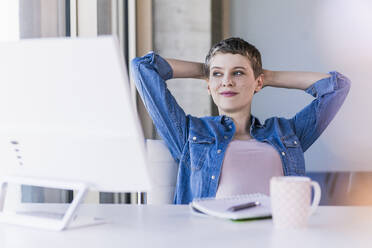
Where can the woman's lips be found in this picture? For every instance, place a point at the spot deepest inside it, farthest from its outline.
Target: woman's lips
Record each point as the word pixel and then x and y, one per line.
pixel 228 93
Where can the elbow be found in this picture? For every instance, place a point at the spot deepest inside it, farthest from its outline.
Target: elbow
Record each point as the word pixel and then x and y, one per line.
pixel 346 85
pixel 134 64
pixel 343 83
pixel 135 71
pixel 140 64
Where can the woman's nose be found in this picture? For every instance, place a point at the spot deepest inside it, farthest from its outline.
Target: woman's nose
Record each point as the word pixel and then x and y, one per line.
pixel 227 81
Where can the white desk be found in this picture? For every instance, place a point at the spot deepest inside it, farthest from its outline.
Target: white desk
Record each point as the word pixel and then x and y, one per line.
pixel 174 226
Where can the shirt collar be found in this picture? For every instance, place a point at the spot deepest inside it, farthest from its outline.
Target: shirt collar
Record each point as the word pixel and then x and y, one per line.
pixel 223 119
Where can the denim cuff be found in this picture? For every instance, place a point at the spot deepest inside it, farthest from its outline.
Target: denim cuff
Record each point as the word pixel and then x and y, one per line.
pixel 324 85
pixel 160 65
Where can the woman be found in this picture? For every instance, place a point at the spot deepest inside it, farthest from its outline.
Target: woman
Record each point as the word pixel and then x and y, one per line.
pixel 234 153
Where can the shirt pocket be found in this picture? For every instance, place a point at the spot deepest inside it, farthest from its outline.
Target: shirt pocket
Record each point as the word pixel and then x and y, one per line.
pixel 290 141
pixel 293 149
pixel 199 147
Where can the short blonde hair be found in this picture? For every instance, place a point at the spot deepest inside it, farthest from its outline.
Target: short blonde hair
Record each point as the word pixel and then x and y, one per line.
pixel 236 45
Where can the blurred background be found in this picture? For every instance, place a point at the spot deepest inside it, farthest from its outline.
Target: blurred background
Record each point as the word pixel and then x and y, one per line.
pixel 318 35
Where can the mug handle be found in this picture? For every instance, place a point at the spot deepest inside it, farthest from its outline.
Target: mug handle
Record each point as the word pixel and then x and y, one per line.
pixel 317 195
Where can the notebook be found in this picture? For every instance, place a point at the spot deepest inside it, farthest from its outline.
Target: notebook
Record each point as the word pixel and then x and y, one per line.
pixel 220 207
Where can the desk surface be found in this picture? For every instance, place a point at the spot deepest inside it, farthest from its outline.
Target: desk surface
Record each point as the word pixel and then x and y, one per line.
pixel 174 226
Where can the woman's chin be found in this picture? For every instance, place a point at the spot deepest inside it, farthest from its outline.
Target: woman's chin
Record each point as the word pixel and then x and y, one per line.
pixel 231 110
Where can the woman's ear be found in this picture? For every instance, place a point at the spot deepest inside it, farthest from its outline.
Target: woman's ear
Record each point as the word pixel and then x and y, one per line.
pixel 209 90
pixel 260 83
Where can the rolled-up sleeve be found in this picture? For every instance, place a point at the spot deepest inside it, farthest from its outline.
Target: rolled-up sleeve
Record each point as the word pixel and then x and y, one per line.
pixel 149 74
pixel 330 94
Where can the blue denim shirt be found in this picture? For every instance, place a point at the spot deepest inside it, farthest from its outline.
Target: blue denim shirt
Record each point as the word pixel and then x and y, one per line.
pixel 199 144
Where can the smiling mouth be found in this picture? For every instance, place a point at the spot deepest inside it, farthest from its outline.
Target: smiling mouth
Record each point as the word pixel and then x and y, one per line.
pixel 228 94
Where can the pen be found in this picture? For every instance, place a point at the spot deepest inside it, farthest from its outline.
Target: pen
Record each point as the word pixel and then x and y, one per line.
pixel 243 206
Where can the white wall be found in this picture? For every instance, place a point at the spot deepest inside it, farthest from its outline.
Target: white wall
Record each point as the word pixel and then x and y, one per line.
pixel 317 35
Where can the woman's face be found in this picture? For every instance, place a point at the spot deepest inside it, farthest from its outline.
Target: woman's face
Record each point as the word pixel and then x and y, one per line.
pixel 231 82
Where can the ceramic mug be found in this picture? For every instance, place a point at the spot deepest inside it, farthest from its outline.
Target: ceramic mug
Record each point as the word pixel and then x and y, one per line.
pixel 291 200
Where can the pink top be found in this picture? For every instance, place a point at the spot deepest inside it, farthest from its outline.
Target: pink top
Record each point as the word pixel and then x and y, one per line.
pixel 247 168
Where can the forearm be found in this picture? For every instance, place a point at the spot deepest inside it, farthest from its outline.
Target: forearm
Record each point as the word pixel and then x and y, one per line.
pixel 149 73
pixel 186 69
pixel 292 80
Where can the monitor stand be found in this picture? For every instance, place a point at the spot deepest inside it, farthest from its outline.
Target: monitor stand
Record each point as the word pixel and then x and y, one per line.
pixel 46 220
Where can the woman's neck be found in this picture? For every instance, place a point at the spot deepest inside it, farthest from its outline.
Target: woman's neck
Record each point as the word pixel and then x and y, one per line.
pixel 242 121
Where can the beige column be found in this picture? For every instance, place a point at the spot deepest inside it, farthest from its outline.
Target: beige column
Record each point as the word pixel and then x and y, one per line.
pixel 144 44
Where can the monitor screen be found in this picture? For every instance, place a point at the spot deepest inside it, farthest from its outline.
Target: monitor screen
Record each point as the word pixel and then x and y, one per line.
pixel 66 114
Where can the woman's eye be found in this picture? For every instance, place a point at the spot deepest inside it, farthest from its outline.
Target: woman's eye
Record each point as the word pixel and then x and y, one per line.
pixel 216 74
pixel 238 73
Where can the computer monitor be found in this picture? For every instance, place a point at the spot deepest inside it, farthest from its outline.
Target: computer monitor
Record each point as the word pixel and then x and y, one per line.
pixel 66 115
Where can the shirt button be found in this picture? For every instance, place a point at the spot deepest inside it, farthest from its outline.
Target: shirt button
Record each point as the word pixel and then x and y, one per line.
pixel 213 177
pixel 219 151
pixel 295 142
pixel 230 127
pixel 194 138
pixel 225 137
pixel 283 153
